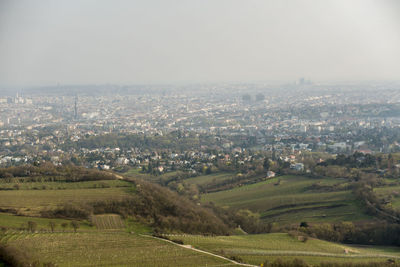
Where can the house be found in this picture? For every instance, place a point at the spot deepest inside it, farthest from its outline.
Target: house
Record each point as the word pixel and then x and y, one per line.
pixel 270 174
pixel 104 167
pixel 160 168
pixel 297 166
pixel 122 161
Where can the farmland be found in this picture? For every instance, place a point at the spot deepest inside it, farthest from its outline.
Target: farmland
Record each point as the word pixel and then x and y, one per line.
pixel 31 202
pixel 291 199
pixel 106 249
pixel 119 211
pixel 14 222
pixel 204 179
pixel 107 221
pixel 61 185
pixel 255 249
pixel 120 248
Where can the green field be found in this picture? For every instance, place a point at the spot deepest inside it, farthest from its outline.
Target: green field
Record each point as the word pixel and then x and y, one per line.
pixel 14 222
pixel 390 191
pixel 33 197
pixel 291 200
pixel 107 249
pixel 31 202
pixel 255 249
pixel 204 179
pixel 63 185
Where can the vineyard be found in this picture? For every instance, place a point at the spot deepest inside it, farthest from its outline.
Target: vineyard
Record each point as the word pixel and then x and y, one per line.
pixel 291 199
pixel 107 221
pixel 105 249
pixel 255 249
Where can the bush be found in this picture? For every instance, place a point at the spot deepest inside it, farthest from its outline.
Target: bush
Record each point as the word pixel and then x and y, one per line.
pixel 178 241
pixel 14 257
pixel 68 211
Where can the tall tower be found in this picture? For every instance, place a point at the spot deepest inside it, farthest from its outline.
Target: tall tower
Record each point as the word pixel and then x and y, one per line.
pixel 76 108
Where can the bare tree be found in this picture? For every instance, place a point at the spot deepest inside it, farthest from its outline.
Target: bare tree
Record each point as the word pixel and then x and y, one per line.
pixel 75 225
pixel 52 225
pixel 64 225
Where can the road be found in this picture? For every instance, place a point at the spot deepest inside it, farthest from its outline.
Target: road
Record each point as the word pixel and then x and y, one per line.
pixel 202 251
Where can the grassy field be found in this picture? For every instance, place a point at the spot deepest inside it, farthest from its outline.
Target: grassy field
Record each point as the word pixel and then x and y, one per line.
pixel 31 202
pixel 290 199
pixel 33 197
pixel 63 185
pixel 390 191
pixel 255 249
pixel 107 249
pixel 204 179
pixel 13 222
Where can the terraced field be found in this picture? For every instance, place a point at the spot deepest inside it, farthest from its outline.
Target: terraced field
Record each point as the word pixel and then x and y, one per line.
pixel 255 249
pixel 107 249
pixel 290 199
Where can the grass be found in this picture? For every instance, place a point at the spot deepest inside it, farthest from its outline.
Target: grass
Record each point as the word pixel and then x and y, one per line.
pixel 205 179
pixel 31 202
pixel 108 249
pixel 107 221
pixel 137 173
pixel 255 249
pixel 291 200
pixel 133 226
pixel 133 171
pixel 64 185
pixel 14 222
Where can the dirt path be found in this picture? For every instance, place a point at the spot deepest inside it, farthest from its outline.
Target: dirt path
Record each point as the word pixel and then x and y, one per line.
pixel 201 251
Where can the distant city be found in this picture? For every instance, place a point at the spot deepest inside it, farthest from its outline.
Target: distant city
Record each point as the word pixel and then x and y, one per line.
pixel 286 119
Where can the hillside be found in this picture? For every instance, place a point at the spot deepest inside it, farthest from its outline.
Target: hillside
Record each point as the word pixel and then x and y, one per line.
pixel 293 199
pixel 100 248
pixel 257 249
pixel 76 193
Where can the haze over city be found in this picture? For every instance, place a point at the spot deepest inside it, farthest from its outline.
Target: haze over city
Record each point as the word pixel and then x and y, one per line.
pixel 140 42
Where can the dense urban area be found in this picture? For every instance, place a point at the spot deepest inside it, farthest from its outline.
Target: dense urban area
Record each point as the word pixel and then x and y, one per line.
pixel 77 123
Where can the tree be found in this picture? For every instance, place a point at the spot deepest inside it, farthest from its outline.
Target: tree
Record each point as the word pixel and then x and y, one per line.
pixel 208 170
pixel 266 164
pixel 390 164
pixel 52 226
pixel 32 226
pixel 64 225
pixel 75 225
pixel 304 224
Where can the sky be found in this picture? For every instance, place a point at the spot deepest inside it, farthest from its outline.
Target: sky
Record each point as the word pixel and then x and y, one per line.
pixel 49 42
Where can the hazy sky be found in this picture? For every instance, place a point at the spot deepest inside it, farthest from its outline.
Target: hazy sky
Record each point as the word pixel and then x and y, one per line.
pixel 46 42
